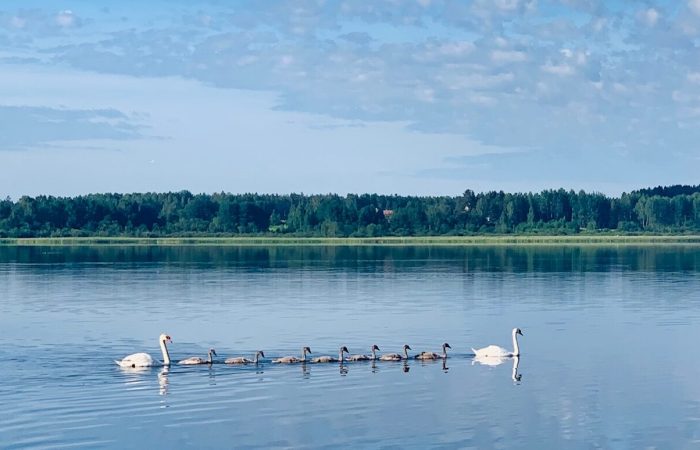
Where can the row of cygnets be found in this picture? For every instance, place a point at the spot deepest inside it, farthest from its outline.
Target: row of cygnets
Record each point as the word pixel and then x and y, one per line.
pixel 145 360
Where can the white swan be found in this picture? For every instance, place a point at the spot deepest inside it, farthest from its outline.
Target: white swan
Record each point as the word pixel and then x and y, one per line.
pixel 430 355
pixel 365 357
pixel 494 351
pixel 194 360
pixel 244 360
pixel 144 359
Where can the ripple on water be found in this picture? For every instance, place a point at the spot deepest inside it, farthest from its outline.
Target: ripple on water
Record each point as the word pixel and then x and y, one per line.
pixel 588 378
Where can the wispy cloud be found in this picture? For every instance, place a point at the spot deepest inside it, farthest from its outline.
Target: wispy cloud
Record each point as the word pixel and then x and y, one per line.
pixel 571 78
pixel 23 127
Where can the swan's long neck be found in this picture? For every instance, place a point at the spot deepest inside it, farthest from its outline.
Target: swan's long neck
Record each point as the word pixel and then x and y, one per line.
pixel 405 352
pixel 340 355
pixel 303 354
pixel 516 349
pixel 255 360
pixel 209 360
pixel 166 355
pixel 374 354
pixel 444 351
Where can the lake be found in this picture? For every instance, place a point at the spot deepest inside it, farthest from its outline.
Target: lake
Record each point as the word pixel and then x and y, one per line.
pixel 609 352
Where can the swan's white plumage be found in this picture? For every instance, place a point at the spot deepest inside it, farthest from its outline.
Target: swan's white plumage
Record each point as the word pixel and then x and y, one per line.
pixel 137 360
pixel 144 359
pixel 494 351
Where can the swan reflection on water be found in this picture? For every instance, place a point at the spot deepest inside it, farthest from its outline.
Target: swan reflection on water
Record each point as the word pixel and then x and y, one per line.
pixel 163 381
pixel 493 361
pixel 212 375
pixel 516 376
pixel 434 361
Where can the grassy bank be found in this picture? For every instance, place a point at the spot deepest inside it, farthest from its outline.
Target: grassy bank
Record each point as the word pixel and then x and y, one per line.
pixel 407 241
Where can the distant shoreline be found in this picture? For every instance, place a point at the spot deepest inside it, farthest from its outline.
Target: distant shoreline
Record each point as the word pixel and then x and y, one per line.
pixel 376 241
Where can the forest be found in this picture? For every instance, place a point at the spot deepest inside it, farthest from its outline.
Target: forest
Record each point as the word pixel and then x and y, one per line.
pixel 671 209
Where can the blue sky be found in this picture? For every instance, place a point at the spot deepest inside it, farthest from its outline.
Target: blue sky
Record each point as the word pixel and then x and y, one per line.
pixel 390 96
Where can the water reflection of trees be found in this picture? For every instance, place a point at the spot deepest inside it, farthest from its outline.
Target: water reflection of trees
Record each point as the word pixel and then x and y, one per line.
pixel 371 259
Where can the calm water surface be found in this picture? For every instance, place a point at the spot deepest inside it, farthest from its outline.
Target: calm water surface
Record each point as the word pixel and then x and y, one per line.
pixel 610 351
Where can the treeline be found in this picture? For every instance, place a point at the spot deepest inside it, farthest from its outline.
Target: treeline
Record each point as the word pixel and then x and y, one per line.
pixel 673 209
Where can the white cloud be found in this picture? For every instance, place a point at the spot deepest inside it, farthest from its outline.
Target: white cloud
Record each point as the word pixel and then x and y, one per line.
pixel 474 81
pixel 433 66
pixel 32 127
pixel 507 5
pixel 456 48
pixel 500 41
pixel 558 69
pixel 694 6
pixel 482 100
pixel 649 17
pixel 65 18
pixel 426 95
pixel 508 56
pixel 576 57
pixel 286 60
pixel 17 22
pixel 599 24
